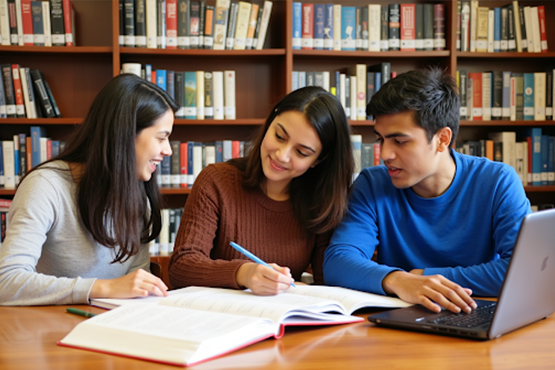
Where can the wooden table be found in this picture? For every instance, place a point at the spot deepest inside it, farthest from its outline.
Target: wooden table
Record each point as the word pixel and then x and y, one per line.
pixel 28 337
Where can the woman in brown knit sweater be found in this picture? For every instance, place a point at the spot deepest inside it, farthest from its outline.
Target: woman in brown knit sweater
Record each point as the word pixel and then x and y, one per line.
pixel 281 202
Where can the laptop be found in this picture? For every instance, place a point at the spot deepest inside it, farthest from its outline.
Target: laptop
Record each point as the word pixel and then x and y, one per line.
pixel 527 294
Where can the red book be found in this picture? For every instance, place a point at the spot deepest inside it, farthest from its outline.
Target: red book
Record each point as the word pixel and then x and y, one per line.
pixel 476 78
pixel 235 149
pixel 408 27
pixel 530 151
pixel 48 149
pixel 27 23
pixel 439 26
pixel 171 24
pixel 543 33
pixel 29 154
pixel 183 162
pixel 307 35
pixel 5 203
pixel 67 7
pixel 377 154
pixel 153 77
pixel 19 102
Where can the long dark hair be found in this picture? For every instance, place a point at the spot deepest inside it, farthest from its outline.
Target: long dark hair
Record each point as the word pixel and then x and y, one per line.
pixel 113 203
pixel 320 195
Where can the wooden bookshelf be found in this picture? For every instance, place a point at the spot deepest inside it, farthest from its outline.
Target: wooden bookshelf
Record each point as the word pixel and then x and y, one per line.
pixel 76 74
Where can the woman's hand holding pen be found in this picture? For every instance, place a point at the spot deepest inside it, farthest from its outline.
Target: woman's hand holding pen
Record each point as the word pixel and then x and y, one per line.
pixel 262 280
pixel 138 283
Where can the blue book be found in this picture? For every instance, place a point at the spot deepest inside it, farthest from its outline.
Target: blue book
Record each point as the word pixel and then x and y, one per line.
pixel 297 25
pixel 536 134
pixel 318 27
pixel 148 72
pixel 36 133
pixel 328 27
pixel 551 160
pixel 348 27
pixel 16 161
pixel 497 30
pixel 55 148
pixel 544 153
pixel 38 33
pixel 190 95
pixel 377 81
pixel 190 177
pixel 161 78
pixel 165 171
pixel 219 151
pixel 528 96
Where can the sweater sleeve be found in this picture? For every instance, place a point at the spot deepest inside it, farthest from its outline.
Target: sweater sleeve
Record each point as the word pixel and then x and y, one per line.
pixel 191 262
pixel 510 207
pixel 32 214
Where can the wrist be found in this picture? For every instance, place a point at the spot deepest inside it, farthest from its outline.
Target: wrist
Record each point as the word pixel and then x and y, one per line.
pixel 241 275
pixel 391 280
pixel 99 289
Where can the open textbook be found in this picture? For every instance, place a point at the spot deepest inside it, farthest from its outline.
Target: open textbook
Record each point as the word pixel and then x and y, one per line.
pixel 195 324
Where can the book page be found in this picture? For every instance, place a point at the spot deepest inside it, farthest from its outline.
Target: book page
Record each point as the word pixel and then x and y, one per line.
pixel 238 302
pixel 168 334
pixel 352 300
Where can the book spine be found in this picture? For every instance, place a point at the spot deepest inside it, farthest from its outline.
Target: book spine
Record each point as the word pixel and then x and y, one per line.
pixel 18 92
pixel 243 15
pixel 428 27
pixel 183 26
pixel 220 24
pixel 46 23
pixel 231 25
pixel 4 23
pixel 57 20
pixel 348 26
pixel 337 27
pixel 209 18
pixel 218 93
pixel 439 26
pixel 543 32
pixel 307 36
pixel 208 96
pixel 229 95
pixel 328 27
pixel 161 24
pixel 253 20
pixel 171 24
pixel 200 95
pixel 394 27
pixel 129 23
pixel 140 24
pixel 151 27
pixel 38 23
pixel 408 27
pixel 297 25
pixel 68 24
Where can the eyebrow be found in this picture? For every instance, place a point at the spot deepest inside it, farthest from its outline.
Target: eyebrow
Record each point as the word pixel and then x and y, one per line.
pixel 304 146
pixel 165 132
pixel 393 134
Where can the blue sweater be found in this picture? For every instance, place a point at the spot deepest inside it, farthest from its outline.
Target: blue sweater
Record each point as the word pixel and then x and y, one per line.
pixel 466 234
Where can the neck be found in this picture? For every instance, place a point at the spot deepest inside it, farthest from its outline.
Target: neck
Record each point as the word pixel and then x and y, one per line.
pixel 276 191
pixel 441 180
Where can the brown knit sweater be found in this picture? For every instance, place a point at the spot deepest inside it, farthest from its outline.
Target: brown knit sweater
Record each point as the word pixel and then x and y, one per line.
pixel 219 210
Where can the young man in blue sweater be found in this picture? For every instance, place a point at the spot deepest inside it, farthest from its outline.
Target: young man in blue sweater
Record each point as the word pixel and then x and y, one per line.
pixel 443 223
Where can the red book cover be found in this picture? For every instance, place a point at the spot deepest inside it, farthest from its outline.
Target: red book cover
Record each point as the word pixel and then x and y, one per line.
pixel 543 32
pixel 153 77
pixel 48 149
pixel 171 24
pixel 235 149
pixel 439 26
pixel 67 7
pixel 29 154
pixel 476 78
pixel 183 162
pixel 307 35
pixel 408 27
pixel 377 154
pixel 5 203
pixel 530 151
pixel 27 22
pixel 19 102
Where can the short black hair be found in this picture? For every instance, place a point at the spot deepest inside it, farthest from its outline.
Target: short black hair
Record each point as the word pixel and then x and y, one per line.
pixel 432 95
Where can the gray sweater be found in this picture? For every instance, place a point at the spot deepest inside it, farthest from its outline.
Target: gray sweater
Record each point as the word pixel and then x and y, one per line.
pixel 48 256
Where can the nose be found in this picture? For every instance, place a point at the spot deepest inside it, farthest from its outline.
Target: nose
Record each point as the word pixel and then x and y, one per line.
pixel 386 151
pixel 283 153
pixel 166 149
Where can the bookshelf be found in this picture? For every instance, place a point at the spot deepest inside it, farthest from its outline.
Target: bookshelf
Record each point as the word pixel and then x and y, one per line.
pixel 76 74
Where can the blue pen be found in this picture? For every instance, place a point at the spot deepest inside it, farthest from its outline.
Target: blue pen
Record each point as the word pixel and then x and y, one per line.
pixel 252 257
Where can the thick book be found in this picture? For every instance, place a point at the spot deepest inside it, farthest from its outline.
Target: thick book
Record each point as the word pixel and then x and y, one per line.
pixel 129 23
pixel 57 23
pixel 348 25
pixel 408 27
pixel 394 33
pixel 171 24
pixel 211 322
pixel 5 23
pixel 220 24
pixel 318 39
pixel 231 25
pixel 140 23
pixel 297 25
pixel 307 31
pixel 243 16
pixel 38 23
pixel 183 18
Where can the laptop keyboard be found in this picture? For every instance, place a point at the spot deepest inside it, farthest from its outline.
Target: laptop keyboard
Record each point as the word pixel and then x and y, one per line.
pixel 477 317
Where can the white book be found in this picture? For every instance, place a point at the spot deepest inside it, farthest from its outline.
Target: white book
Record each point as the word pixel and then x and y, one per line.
pixel 327 81
pixel 210 321
pixel 473 23
pixel 518 33
pixel 151 27
pixel 374 27
pixel 525 169
pixel 229 95
pixel 46 23
pixel 209 154
pixel 220 24
pixel 4 22
pixel 19 21
pixel 164 237
pixel 43 143
pixel 218 94
pixel 519 160
pixel 200 95
pixel 536 29
pixel 539 96
pixel 243 16
pixel 266 12
pixel 465 26
pixel 197 160
pixel 491 21
pixel 28 94
pixel 227 150
pixel 336 26
pixel 353 100
pixel 513 99
pixel 9 165
pixel 486 96
pixel 342 95
pixel 528 26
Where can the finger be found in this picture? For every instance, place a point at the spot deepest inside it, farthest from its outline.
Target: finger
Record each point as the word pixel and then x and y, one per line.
pixel 460 296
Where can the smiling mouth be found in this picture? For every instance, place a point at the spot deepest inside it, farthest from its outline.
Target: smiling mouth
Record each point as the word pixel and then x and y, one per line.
pixel 276 166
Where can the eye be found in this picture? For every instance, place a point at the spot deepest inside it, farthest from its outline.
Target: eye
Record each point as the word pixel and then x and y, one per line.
pixel 279 137
pixel 400 142
pixel 301 153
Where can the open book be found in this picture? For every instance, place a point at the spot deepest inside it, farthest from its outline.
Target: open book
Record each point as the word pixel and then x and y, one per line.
pixel 195 324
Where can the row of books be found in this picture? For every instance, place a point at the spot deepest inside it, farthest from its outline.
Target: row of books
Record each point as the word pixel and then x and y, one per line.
pixel 4 208
pixel 19 155
pixel 353 86
pixel 163 244
pixel 201 94
pixel 496 95
pixel 37 23
pixel 192 24
pixel 512 27
pixel 24 93
pixel 189 158
pixel 372 27
pixel 532 155
pixel 364 154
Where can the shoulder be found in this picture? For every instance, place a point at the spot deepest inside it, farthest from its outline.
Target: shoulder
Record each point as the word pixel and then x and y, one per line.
pixel 221 172
pixel 55 175
pixel 486 169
